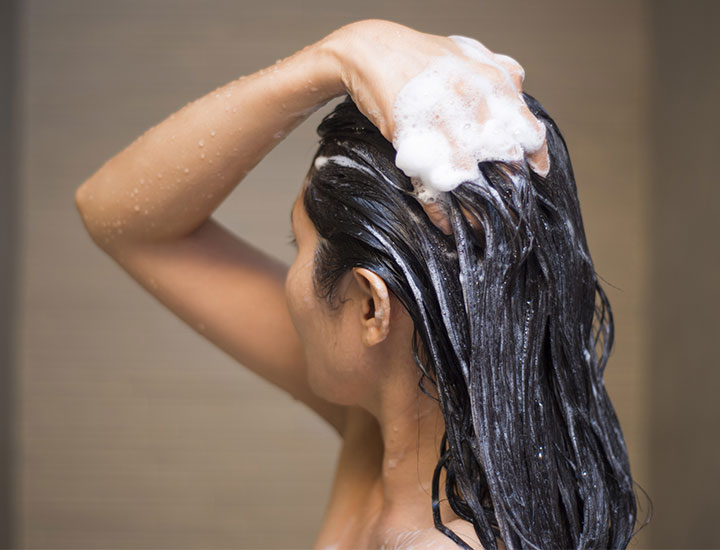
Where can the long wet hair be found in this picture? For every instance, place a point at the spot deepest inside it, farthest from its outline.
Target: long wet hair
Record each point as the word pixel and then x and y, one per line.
pixel 511 327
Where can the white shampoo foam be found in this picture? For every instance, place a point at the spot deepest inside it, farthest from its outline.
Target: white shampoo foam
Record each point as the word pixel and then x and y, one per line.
pixel 450 117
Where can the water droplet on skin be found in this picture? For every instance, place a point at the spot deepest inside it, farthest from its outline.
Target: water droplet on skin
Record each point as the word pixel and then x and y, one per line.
pixel 234 110
pixel 201 143
pixel 228 94
pixel 212 133
pixel 136 208
pixel 202 155
pixel 135 190
pixel 187 170
pixel 146 211
pixel 142 182
pixel 217 96
pixel 159 175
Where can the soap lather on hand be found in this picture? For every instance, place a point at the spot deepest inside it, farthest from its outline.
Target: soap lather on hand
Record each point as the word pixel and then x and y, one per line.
pixel 459 111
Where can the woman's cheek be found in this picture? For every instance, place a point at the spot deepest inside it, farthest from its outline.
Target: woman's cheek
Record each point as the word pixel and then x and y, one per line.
pixel 298 293
pixel 291 294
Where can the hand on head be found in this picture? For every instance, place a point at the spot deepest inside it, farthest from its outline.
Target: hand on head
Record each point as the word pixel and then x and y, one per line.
pixel 445 102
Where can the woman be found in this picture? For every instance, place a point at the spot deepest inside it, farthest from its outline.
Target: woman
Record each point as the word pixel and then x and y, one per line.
pixel 454 345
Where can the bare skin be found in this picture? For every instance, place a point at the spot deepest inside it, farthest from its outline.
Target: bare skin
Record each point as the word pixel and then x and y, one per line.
pixel 362 357
pixel 150 206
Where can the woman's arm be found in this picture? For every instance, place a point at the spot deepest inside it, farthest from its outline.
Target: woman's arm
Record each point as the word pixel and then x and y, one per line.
pixel 168 181
pixel 150 207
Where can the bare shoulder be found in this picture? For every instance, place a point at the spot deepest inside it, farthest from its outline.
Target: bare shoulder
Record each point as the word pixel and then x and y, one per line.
pixel 432 538
pixel 463 529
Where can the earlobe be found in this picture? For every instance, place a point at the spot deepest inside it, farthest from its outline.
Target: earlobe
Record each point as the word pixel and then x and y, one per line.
pixel 375 306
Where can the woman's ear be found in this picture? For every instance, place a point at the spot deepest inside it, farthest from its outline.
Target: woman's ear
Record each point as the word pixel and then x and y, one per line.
pixel 374 306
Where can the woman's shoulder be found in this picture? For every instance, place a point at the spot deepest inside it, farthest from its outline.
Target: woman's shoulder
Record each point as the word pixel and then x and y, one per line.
pixel 463 529
pixel 432 538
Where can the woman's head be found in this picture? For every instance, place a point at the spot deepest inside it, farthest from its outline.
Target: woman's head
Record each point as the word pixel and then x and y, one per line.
pixel 506 320
pixel 350 342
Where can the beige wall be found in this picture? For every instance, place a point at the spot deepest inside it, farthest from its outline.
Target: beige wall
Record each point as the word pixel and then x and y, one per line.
pixel 9 242
pixel 685 275
pixel 134 431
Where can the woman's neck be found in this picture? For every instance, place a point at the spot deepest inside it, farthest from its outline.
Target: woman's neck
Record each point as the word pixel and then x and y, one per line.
pixel 412 426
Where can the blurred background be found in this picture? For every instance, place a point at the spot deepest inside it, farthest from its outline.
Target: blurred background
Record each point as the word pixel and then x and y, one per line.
pixel 122 427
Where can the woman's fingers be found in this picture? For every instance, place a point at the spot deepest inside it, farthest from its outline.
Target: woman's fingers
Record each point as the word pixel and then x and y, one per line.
pixel 536 153
pixel 517 73
pixel 436 213
pixel 539 161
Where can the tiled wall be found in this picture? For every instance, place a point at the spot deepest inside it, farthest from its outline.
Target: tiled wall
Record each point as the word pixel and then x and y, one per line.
pixel 136 432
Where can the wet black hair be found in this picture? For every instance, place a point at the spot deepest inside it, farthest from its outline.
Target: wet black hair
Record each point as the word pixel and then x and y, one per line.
pixel 511 326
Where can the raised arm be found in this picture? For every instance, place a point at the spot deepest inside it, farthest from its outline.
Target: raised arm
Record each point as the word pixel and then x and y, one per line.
pixel 169 180
pixel 149 208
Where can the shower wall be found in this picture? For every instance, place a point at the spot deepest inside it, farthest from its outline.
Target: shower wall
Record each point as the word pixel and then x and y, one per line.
pixel 135 432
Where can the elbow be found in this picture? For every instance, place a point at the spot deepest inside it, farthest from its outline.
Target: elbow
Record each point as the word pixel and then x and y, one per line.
pixel 83 205
pixel 80 199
